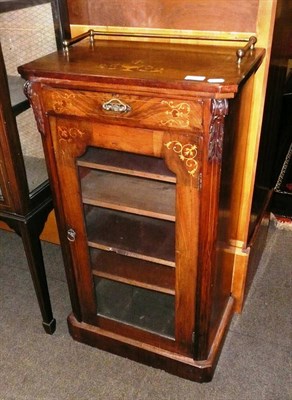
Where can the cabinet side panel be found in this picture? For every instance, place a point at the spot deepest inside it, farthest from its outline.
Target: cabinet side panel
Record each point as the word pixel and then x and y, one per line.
pixel 237 156
pixel 214 272
pixel 231 202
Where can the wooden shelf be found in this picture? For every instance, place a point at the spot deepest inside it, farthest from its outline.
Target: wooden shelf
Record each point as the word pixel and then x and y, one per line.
pixel 145 309
pixel 136 236
pixel 126 270
pixel 130 194
pixel 126 163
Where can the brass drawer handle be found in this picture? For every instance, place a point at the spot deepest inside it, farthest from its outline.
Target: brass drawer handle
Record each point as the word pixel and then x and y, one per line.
pixel 116 106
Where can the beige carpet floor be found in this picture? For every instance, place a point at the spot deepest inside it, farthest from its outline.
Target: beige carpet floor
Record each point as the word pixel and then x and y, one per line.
pixel 255 363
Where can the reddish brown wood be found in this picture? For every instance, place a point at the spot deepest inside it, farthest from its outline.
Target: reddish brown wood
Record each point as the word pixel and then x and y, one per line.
pixel 147 110
pixel 126 163
pixel 136 236
pixel 168 124
pixel 126 269
pixel 147 65
pixel 133 195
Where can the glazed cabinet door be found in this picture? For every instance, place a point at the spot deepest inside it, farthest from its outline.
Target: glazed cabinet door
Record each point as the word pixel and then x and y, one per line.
pixel 130 198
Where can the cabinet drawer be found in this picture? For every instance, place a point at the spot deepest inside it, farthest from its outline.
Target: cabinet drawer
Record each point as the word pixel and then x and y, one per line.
pixel 138 111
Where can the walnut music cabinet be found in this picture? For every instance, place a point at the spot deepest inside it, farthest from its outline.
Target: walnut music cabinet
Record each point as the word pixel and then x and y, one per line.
pixel 146 120
pixel 140 140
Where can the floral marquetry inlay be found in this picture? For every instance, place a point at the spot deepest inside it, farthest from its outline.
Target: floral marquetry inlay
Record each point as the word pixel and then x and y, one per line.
pixel 71 141
pixel 69 135
pixel 187 153
pixel 177 114
pixel 138 66
pixel 61 101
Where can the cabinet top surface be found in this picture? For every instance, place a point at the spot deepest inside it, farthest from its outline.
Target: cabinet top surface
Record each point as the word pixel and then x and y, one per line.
pixel 183 66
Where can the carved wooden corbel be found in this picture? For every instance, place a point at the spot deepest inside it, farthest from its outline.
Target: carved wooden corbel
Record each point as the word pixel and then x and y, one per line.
pixel 34 100
pixel 219 109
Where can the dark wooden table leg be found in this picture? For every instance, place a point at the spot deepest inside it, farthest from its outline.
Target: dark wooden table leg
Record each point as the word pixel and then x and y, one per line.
pixel 33 250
